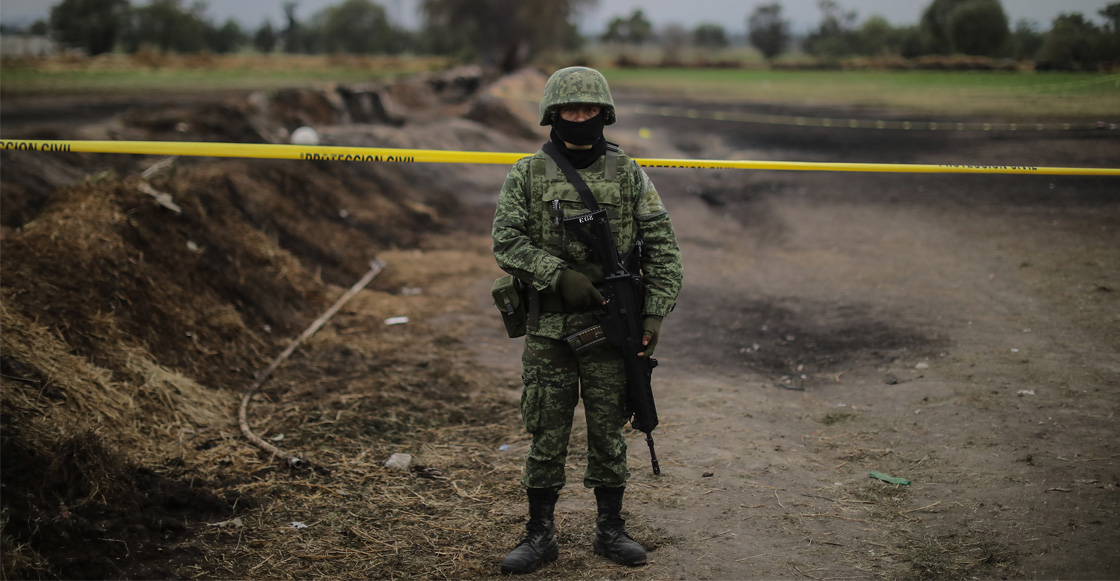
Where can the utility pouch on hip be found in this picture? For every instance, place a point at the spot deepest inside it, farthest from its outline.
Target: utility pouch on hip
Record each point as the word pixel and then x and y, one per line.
pixel 509 297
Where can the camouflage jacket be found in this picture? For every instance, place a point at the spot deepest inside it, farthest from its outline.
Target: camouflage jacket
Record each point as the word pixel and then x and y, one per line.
pixel 529 244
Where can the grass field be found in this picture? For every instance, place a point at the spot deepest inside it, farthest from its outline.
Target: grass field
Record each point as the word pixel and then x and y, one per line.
pixel 1021 95
pixel 153 73
pixel 1011 94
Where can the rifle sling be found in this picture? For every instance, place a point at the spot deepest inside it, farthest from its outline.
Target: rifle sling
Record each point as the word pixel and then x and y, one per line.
pixel 572 175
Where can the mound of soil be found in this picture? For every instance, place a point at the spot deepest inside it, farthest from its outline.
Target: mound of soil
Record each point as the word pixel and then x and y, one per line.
pixel 138 305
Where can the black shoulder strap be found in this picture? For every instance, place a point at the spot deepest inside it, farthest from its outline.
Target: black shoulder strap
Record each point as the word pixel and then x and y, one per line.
pixel 572 175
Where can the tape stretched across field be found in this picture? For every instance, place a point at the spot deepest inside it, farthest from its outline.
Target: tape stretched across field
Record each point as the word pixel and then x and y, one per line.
pixel 385 155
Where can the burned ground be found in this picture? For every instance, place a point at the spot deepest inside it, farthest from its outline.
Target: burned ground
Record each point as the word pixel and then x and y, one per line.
pixel 955 330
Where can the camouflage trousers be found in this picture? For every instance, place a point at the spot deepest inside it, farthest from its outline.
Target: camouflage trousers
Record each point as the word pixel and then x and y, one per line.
pixel 555 377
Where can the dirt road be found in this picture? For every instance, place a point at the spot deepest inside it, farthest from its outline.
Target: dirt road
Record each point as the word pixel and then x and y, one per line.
pixel 956 331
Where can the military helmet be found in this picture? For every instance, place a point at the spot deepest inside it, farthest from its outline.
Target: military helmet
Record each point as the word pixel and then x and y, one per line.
pixel 576 85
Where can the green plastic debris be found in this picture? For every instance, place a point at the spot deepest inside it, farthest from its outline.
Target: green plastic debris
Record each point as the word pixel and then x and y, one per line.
pixel 891 479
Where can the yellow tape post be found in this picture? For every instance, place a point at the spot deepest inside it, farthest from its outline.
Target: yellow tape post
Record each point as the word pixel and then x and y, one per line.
pixel 389 155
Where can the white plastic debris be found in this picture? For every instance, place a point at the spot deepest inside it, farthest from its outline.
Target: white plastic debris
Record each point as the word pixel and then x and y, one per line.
pixel 400 462
pixel 396 320
pixel 298 525
pixel 1025 392
pixel 305 136
pixel 277 437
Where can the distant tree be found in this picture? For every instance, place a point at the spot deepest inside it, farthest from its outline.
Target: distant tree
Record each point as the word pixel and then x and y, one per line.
pixel 357 27
pixel 978 27
pixel 292 35
pixel 935 24
pixel 166 25
pixel 673 38
pixel 571 39
pixel 1111 41
pixel 876 37
pixel 767 31
pixel 710 36
pixel 635 30
pixel 39 28
pixel 94 25
pixel 1072 43
pixel 835 37
pixel 227 38
pixel 1025 40
pixel 502 33
pixel 1111 14
pixel 913 42
pixel 265 38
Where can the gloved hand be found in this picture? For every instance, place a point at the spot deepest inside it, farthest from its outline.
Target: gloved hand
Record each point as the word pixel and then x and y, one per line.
pixel 578 291
pixel 652 327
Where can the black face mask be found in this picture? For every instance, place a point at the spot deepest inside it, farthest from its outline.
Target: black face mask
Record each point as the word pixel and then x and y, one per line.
pixel 581 132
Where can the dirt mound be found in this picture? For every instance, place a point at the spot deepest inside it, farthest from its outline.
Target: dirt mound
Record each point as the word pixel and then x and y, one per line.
pixel 137 310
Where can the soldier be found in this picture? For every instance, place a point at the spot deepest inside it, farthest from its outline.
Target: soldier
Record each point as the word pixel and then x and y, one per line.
pixel 561 275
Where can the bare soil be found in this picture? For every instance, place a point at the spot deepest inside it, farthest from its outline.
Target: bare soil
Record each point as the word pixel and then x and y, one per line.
pixel 956 331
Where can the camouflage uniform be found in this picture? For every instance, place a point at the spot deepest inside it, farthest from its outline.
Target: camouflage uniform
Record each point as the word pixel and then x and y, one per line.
pixel 530 245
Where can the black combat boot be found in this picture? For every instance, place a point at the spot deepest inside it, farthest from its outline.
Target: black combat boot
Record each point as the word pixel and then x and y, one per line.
pixel 611 540
pixel 539 545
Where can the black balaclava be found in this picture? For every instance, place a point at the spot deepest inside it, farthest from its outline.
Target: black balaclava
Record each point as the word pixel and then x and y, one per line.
pixel 589 132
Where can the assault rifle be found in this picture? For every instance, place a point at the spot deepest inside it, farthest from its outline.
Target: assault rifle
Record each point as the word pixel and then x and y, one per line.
pixel 622 288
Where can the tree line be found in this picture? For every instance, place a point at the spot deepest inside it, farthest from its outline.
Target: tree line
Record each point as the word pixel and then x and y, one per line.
pixel 947 27
pixel 509 33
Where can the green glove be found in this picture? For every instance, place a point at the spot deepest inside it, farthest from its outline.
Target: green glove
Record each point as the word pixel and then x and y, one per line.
pixel 652 327
pixel 578 291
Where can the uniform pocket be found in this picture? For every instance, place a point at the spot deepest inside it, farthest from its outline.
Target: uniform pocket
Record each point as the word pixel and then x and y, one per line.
pixel 530 399
pixel 565 198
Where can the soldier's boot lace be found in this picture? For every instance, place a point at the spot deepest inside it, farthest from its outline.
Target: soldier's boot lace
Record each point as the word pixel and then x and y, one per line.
pixel 611 539
pixel 539 546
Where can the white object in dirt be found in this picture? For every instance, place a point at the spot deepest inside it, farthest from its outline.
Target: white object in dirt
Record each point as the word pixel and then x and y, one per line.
pixel 305 136
pixel 922 365
pixel 400 462
pixel 396 320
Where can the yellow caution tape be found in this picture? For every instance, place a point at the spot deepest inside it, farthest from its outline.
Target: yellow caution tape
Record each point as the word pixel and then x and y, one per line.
pixel 388 155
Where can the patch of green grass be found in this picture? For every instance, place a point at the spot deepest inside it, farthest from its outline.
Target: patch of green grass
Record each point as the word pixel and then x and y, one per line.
pixel 1000 93
pixel 29 82
pixel 121 74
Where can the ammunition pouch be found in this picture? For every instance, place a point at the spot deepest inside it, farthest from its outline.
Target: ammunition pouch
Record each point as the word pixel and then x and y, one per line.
pixel 509 297
pixel 580 341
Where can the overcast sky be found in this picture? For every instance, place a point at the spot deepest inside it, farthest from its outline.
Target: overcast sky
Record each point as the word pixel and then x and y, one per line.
pixel 731 14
